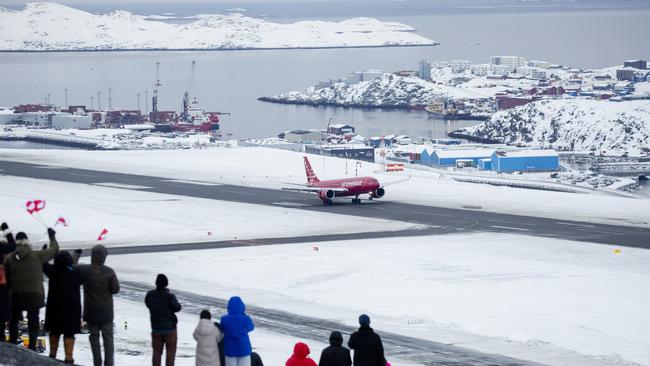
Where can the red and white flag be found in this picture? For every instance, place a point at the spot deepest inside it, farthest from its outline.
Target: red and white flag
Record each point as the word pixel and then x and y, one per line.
pixel 102 235
pixel 61 221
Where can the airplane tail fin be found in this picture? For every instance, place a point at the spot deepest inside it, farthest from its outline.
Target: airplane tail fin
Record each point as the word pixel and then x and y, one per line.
pixel 311 176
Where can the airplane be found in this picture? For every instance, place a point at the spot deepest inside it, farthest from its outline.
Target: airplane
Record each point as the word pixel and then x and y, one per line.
pixel 328 189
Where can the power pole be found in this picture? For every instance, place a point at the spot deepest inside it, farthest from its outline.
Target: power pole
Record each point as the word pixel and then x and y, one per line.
pixel 48 98
pixel 66 97
pixel 110 99
pixel 99 100
pixel 92 102
pixel 139 103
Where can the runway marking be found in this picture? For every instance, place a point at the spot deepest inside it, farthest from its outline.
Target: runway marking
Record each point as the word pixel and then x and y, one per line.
pixel 118 185
pixel 511 222
pixel 290 204
pixel 433 214
pixel 193 182
pixel 572 224
pixel 509 228
pixel 50 167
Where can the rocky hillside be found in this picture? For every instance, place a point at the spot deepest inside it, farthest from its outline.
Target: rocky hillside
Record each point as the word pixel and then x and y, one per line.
pixel 388 90
pixel 46 26
pixel 573 124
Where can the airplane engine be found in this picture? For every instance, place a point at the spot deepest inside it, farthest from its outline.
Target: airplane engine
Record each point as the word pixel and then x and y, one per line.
pixel 379 193
pixel 327 194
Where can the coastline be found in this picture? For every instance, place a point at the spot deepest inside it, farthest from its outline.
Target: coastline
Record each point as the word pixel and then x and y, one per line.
pixel 215 49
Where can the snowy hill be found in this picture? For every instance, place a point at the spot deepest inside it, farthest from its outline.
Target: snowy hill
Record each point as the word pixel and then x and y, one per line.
pixel 388 90
pixel 43 26
pixel 573 124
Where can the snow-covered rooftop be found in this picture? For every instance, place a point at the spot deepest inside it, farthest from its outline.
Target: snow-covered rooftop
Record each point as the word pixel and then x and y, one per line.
pixel 462 153
pixel 526 153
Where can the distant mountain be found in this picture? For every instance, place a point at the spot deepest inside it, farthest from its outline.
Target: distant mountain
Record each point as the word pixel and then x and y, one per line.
pixel 43 26
pixel 573 124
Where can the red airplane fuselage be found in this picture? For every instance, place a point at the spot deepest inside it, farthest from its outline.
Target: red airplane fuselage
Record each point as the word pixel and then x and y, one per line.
pixel 346 187
pixel 352 186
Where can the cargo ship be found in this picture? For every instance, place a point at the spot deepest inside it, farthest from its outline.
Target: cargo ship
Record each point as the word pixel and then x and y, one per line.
pixel 454 110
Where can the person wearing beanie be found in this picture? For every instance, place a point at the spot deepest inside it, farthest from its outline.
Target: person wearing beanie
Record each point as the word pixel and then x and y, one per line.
pixel 207 338
pixel 100 286
pixel 24 271
pixel 335 354
pixel 63 309
pixel 6 247
pixel 236 325
pixel 367 346
pixel 162 306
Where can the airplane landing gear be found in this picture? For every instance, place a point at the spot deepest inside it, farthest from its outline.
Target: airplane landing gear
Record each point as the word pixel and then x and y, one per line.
pixel 356 200
pixel 327 202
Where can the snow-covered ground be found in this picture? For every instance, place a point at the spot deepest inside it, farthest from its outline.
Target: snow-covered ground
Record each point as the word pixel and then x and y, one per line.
pixel 133 345
pixel 44 26
pixel 138 218
pixel 573 124
pixel 553 301
pixel 265 167
pixel 116 138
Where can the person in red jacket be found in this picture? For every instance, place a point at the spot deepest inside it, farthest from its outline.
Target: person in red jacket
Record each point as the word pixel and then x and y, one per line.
pixel 300 356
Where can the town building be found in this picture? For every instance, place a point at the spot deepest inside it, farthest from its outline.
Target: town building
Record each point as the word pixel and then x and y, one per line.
pixel 507 102
pixel 425 70
pixel 505 161
pixel 637 64
pixel 628 73
pixel 458 66
pixel 65 120
pixel 449 157
pixel 340 129
pixel 500 70
pixel 357 152
pixel 511 62
pixel 480 69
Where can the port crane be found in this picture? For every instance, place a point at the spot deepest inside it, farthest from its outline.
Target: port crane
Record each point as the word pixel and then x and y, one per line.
pixel 186 97
pixel 154 100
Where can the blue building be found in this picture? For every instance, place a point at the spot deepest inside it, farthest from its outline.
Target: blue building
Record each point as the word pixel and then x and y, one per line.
pixel 485 164
pixel 448 157
pixel 525 161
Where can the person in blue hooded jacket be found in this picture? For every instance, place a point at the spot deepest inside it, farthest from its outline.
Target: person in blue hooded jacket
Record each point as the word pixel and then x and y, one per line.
pixel 236 325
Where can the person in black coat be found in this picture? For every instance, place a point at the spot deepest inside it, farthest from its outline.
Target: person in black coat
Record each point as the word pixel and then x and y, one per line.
pixel 367 346
pixel 335 354
pixel 162 306
pixel 63 309
pixel 5 300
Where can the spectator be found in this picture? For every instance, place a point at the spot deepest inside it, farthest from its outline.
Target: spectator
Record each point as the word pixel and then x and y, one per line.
pixel 63 309
pixel 256 360
pixel 207 338
pixel 100 286
pixel 367 346
pixel 5 248
pixel 24 270
pixel 222 357
pixel 162 306
pixel 236 325
pixel 300 356
pixel 335 354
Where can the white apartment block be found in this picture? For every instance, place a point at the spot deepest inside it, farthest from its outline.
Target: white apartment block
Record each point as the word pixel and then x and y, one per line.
pixel 459 65
pixel 512 62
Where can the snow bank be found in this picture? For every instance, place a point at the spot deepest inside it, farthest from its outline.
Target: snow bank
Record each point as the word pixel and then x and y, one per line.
pixel 573 124
pixel 138 218
pixel 271 168
pixel 547 300
pixel 43 26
